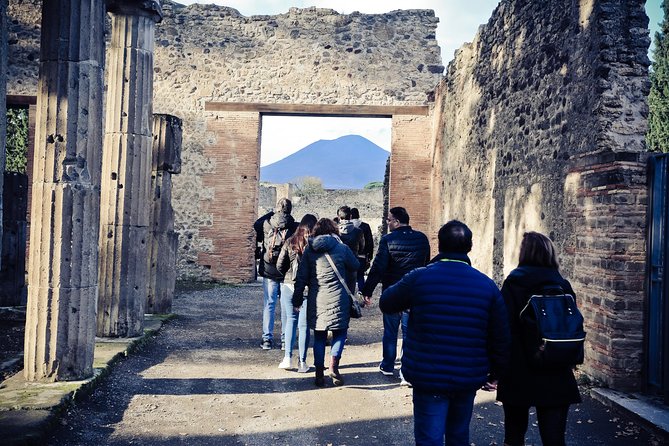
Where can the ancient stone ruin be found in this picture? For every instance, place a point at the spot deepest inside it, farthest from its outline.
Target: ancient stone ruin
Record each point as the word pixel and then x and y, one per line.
pixel 537 124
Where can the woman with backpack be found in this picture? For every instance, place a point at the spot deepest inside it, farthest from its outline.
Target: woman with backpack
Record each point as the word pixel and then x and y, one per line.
pixel 549 388
pixel 289 259
pixel 327 267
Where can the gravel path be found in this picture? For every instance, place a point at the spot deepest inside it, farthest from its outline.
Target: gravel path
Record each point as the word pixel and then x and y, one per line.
pixel 204 380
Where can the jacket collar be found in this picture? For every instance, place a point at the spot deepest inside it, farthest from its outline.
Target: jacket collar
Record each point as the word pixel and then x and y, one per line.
pixel 456 256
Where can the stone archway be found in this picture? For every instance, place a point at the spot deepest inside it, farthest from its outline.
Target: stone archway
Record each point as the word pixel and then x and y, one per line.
pixel 233 146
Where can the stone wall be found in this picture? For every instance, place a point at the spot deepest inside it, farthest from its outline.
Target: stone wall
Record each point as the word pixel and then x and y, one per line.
pixel 212 53
pixel 542 122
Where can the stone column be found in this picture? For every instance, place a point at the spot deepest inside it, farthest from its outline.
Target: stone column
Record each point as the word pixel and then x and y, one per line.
pixel 62 273
pixel 167 131
pixel 126 168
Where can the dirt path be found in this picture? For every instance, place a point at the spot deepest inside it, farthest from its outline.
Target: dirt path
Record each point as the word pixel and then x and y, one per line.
pixel 204 380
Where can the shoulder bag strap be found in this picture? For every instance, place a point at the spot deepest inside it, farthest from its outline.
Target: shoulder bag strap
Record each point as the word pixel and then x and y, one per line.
pixel 341 279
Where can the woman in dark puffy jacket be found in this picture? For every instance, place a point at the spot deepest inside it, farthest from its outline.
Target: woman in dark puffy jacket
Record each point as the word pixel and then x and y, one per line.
pixel 550 389
pixel 328 302
pixel 289 259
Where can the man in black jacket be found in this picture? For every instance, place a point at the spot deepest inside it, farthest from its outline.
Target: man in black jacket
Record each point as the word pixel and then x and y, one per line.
pixel 276 229
pixel 400 251
pixel 365 256
pixel 349 233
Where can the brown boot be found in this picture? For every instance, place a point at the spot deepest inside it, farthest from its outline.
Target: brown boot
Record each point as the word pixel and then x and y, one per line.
pixel 337 379
pixel 320 376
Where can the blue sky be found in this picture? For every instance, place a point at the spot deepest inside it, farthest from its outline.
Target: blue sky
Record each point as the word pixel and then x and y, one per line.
pixel 458 23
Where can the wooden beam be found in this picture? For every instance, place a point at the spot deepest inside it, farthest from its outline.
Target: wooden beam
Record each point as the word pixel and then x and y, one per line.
pixel 20 100
pixel 319 109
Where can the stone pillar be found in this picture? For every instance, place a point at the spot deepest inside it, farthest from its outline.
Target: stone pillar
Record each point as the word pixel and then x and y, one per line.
pixel 62 273
pixel 126 168
pixel 3 104
pixel 163 241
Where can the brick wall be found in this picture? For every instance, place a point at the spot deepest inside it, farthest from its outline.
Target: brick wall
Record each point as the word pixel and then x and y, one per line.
pixel 230 201
pixel 411 168
pixel 606 200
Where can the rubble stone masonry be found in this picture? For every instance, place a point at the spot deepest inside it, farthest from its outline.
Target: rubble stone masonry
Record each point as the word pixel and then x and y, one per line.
pixel 543 119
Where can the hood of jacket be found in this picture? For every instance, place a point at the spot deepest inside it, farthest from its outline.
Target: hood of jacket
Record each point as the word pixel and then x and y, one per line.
pixel 281 220
pixel 324 243
pixel 346 226
pixel 356 222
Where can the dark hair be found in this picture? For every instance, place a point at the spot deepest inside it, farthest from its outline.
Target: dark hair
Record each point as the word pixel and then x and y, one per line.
pixel 284 205
pixel 537 250
pixel 298 241
pixel 325 226
pixel 355 213
pixel 455 236
pixel 344 213
pixel 400 215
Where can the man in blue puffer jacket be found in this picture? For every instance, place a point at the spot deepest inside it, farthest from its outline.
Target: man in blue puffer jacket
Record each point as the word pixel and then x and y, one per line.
pixel 457 337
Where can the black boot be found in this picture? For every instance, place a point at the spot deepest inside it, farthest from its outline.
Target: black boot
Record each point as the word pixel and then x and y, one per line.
pixel 320 376
pixel 337 379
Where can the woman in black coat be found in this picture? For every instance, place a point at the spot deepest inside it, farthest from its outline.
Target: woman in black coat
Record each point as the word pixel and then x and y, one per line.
pixel 550 389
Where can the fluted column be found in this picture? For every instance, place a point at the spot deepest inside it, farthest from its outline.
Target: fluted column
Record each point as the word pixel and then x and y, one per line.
pixel 126 168
pixel 65 205
pixel 162 239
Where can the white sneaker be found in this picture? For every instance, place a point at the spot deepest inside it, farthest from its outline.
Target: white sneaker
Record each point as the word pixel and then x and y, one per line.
pixel 302 367
pixel 404 382
pixel 287 363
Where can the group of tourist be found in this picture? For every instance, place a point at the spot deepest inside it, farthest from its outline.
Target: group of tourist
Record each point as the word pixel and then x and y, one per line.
pixel 460 333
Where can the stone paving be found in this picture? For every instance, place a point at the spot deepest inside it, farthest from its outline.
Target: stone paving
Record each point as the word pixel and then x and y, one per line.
pixel 203 380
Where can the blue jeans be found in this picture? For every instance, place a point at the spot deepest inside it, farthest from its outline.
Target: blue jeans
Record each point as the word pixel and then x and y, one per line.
pixel 336 349
pixel 391 326
pixel 442 419
pixel 294 321
pixel 270 295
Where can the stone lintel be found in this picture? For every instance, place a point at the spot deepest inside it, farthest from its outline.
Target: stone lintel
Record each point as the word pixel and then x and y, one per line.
pixel 386 111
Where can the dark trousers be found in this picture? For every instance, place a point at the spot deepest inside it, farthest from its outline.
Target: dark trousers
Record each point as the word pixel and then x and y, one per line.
pixel 442 419
pixel 552 424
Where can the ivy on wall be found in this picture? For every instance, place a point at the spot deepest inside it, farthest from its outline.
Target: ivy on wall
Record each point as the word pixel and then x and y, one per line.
pixel 17 140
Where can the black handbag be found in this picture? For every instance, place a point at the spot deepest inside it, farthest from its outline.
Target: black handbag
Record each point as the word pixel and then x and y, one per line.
pixel 356 308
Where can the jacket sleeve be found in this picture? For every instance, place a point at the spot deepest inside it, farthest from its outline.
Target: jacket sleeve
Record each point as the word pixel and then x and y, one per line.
pixel 352 265
pixel 283 262
pixel 427 254
pixel 369 241
pixel 302 279
pixel 398 297
pixel 379 266
pixel 499 336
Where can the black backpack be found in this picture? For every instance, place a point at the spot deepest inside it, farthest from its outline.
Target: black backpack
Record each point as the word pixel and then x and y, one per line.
pixel 275 243
pixel 553 329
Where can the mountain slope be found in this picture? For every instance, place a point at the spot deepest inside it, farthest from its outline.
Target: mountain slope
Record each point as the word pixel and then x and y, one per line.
pixel 348 162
